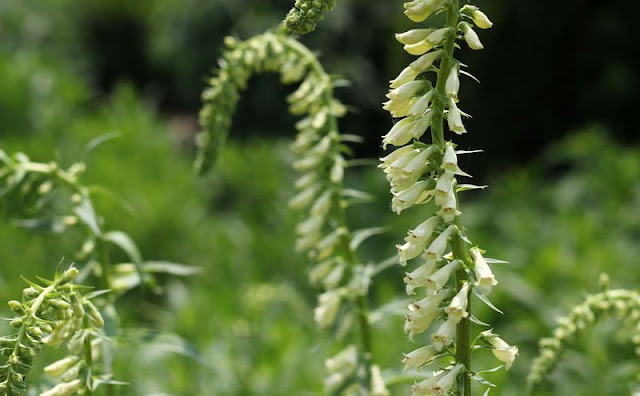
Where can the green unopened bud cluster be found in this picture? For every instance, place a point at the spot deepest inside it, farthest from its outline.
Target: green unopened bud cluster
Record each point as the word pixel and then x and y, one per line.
pixel 623 305
pixel 33 185
pixel 305 14
pixel 419 172
pixel 47 315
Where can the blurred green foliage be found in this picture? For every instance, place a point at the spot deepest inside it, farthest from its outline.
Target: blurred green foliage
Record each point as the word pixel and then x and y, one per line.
pixel 244 326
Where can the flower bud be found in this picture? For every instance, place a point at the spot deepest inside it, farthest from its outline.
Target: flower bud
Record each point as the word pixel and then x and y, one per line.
pixel 415 194
pixel 457 309
pixel 444 336
pixel 452 85
pixel 443 385
pixel 419 357
pixel 479 18
pixel 70 274
pixel 439 278
pixel 484 275
pixel 419 10
pixel 15 306
pixel 327 309
pixel 58 368
pixel 501 350
pixel 437 247
pixel 94 315
pixel 454 118
pixel 413 36
pixel 64 389
pixel 470 36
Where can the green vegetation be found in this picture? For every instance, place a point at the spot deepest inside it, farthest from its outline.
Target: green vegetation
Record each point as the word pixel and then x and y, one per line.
pixel 244 325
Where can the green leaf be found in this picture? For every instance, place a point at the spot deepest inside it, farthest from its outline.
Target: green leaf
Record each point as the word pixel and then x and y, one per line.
pixel 385 264
pixel 478 321
pixel 169 268
pixel 493 370
pixel 124 242
pixel 364 234
pixel 485 300
pixel 87 215
pixel 98 141
pixel 468 187
pixel 55 225
pixel 495 261
pixel 481 380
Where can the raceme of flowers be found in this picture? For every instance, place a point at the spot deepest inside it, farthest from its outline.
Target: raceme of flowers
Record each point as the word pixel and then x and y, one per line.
pixel 323 234
pixel 50 315
pixel 448 268
pixel 622 304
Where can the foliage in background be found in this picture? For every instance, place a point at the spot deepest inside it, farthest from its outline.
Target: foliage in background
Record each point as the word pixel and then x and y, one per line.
pixel 560 220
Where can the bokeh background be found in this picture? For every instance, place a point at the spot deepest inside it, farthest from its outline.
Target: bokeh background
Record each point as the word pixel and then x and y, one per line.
pixel 554 114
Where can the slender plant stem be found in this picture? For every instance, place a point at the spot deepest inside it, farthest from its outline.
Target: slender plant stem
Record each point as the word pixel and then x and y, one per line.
pixel 460 248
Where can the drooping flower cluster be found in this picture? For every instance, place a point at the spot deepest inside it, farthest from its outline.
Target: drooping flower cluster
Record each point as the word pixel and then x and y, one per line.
pixel 318 147
pixel 51 315
pixel 420 172
pixel 624 305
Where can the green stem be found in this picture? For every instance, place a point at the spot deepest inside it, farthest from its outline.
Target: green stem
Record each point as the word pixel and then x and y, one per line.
pixel 460 248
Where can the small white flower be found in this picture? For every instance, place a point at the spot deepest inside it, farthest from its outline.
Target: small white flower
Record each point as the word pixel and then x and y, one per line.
pixel 425 61
pixel 448 205
pixel 486 279
pixel 454 118
pixel 443 385
pixel 344 361
pixel 480 19
pixel 470 36
pixel 457 309
pixel 452 85
pixel 501 350
pixel 419 10
pixel 450 161
pixel 423 313
pixel 439 278
pixel 445 184
pixel 418 277
pixel 413 195
pixel 421 106
pixel 437 247
pixel 59 367
pixel 433 39
pixel 423 388
pixel 378 387
pixel 394 156
pixel 407 74
pixel 406 129
pixel 64 389
pixel 327 309
pixel 305 197
pixel 417 240
pixel 413 36
pixel 419 357
pixel 444 336
pixel 322 205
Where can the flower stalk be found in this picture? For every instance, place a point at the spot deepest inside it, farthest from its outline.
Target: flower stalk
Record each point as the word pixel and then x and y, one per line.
pixel 418 174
